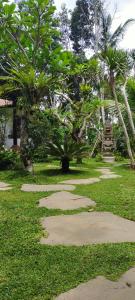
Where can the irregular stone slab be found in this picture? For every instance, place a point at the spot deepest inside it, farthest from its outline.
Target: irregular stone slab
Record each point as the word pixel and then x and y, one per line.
pixel 105 171
pixel 4 186
pixel 65 201
pixel 109 159
pixel 88 228
pixel 81 181
pixel 6 189
pixel 110 176
pixel 101 288
pixel 46 188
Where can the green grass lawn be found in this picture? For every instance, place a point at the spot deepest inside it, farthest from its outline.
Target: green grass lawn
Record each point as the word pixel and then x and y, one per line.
pixel 30 271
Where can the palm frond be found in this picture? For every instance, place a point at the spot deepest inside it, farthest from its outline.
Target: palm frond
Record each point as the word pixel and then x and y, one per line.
pixel 119 32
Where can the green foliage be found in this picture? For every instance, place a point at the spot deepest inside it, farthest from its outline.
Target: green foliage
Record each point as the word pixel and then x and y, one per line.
pixel 99 157
pixel 66 147
pixel 118 157
pixel 109 39
pixel 131 93
pixel 82 23
pixel 9 159
pixel 120 141
pixel 28 28
pixel 118 61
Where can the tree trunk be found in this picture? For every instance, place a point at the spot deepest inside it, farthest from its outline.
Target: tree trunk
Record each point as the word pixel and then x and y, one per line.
pixel 79 160
pixel 14 126
pixel 122 121
pixel 98 139
pixel 123 89
pixel 65 164
pixel 24 145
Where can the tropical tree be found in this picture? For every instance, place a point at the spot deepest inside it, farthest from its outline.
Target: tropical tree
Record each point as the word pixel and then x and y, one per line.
pixel 64 26
pixel 109 38
pixel 85 24
pixel 65 150
pixel 129 112
pixel 28 29
pixel 31 87
pixel 115 60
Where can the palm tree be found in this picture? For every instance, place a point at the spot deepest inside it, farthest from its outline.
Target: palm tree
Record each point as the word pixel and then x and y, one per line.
pixel 116 62
pixel 128 109
pixel 65 150
pixel 31 88
pixel 132 54
pixel 108 38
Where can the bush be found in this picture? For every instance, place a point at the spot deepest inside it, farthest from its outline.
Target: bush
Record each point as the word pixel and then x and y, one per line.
pixel 9 159
pixel 118 157
pixel 99 158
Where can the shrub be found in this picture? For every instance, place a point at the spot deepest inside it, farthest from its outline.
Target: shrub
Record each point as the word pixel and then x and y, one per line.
pixel 9 159
pixel 99 157
pixel 118 157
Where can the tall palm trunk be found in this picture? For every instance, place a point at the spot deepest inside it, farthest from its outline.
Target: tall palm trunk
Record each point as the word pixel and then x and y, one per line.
pixel 24 144
pixel 112 82
pixel 123 89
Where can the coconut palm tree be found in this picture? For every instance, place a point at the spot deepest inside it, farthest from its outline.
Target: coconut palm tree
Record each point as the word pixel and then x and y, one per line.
pixel 116 63
pixel 109 39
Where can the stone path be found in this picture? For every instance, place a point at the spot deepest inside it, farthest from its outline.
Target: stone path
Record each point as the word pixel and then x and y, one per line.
pixel 110 176
pixel 5 186
pixel 104 171
pixel 65 201
pixel 107 173
pixel 81 181
pixel 88 228
pixel 84 229
pixel 67 185
pixel 46 188
pixel 101 288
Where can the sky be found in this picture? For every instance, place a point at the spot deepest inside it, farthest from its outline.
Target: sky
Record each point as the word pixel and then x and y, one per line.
pixel 125 9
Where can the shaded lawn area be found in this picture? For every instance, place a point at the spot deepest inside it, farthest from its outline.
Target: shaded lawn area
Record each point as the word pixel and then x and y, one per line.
pixel 30 271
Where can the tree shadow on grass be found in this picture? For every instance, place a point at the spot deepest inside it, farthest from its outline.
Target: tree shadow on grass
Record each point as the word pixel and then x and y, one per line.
pixel 58 172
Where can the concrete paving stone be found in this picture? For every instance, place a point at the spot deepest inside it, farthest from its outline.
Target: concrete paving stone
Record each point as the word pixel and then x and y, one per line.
pixel 65 201
pixel 105 171
pixel 81 181
pixel 4 186
pixel 101 288
pixel 110 176
pixel 6 189
pixel 46 188
pixel 87 228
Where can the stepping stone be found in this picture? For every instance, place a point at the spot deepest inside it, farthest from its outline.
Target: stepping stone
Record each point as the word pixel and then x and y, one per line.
pixel 87 228
pixel 6 189
pixel 110 176
pixel 101 288
pixel 81 181
pixel 65 201
pixel 46 188
pixel 109 159
pixel 4 186
pixel 105 171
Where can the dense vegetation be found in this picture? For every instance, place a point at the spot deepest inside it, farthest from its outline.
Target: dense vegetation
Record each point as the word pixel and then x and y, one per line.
pixel 56 89
pixel 67 76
